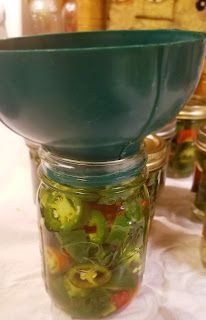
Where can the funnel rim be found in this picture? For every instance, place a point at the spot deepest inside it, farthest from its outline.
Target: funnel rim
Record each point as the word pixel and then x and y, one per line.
pixel 198 36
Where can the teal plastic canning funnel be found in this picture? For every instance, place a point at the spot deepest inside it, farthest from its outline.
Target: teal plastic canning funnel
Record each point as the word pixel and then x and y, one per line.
pixel 96 95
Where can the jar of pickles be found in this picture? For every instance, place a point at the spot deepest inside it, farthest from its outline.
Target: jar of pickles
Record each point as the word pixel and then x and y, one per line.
pixel 156 149
pixel 200 201
pixel 34 163
pixel 93 220
pixel 182 152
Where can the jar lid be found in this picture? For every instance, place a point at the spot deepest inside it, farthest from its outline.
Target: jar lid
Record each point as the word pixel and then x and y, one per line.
pixel 156 149
pixel 193 111
pixel 201 138
pixel 168 131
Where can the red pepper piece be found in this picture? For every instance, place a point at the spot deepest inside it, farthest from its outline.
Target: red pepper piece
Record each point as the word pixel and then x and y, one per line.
pixel 109 211
pixel 186 135
pixel 122 298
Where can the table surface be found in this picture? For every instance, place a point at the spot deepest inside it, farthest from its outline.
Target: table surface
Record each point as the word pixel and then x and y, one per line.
pixel 174 285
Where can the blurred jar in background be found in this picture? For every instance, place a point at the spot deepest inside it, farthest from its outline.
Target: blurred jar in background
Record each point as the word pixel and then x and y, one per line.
pixel 69 16
pixel 51 16
pixel 156 150
pixel 199 208
pixel 44 16
pixel 182 152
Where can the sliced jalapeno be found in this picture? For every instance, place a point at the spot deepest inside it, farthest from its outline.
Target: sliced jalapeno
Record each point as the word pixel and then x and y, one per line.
pixel 73 291
pixel 61 212
pixel 88 276
pixel 96 227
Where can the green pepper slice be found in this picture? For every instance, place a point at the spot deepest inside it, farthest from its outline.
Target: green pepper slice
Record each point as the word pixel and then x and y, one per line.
pixel 61 212
pixel 73 291
pixel 96 227
pixel 88 276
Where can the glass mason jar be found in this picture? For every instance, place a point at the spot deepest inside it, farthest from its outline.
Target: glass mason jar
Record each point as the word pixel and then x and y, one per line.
pixel 93 220
pixel 182 152
pixel 34 164
pixel 44 16
pixel 69 16
pixel 199 208
pixel 156 150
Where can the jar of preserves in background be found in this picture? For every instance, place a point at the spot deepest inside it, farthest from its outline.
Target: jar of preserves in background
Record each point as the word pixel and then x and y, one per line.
pixel 44 16
pixel 52 16
pixel 69 16
pixel 182 152
pixel 93 220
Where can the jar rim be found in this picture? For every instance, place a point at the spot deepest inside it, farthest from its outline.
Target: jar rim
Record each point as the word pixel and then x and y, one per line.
pixel 79 173
pixel 46 154
pixel 192 112
pixel 157 152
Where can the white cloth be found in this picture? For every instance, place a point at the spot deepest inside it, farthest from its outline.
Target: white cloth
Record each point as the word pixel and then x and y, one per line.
pixel 174 286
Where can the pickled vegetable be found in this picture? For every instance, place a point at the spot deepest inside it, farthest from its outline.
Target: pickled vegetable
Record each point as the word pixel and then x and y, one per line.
pixel 61 212
pixel 95 242
pixel 88 276
pixel 182 152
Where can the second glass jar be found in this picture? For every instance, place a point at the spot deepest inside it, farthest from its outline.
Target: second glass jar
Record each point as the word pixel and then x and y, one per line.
pixel 182 153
